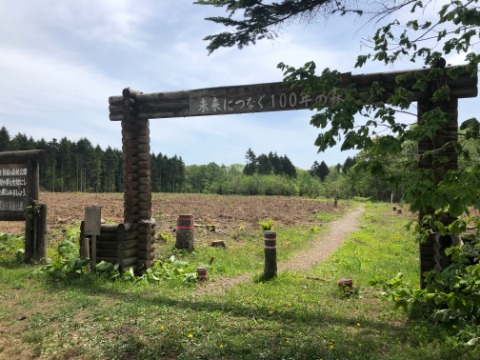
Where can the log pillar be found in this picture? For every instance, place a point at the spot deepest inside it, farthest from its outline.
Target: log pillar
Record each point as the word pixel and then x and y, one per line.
pixel 437 155
pixel 137 177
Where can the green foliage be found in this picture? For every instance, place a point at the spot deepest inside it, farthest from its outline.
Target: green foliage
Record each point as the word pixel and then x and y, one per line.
pixel 435 188
pixel 11 249
pixel 67 264
pixel 298 315
pixel 320 170
pixel 79 166
pixel 326 217
pixel 451 298
pixel 268 165
pixel 266 224
pixel 171 269
pixel 260 20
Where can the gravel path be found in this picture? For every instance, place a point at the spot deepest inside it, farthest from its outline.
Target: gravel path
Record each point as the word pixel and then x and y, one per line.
pixel 327 242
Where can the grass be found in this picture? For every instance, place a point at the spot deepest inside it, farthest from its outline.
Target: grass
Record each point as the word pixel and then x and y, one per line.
pixel 246 254
pixel 294 316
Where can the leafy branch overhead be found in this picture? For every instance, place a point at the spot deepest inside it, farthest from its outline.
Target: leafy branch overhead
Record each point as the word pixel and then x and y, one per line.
pixel 443 184
pixel 262 21
pixel 367 118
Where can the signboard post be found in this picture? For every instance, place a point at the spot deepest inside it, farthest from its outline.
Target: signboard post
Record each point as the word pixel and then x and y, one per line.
pixel 19 191
pixel 93 215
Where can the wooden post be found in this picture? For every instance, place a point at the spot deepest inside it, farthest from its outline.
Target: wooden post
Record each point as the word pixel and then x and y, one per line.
pixel 270 238
pixel 202 273
pixel 40 250
pixel 137 177
pixel 32 209
pixel 84 244
pixel 29 237
pixel 442 144
pixel 184 232
pixel 345 284
pixel 92 227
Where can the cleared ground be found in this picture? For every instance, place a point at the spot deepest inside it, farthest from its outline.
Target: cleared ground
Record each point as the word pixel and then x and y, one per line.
pixel 231 216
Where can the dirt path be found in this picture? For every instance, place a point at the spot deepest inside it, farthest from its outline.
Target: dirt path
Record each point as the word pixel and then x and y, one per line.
pixel 321 249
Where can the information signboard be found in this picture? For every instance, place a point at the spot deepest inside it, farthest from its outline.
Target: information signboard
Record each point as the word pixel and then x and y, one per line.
pixel 19 183
pixel 13 188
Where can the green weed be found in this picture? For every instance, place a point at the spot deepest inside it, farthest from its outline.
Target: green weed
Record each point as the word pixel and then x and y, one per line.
pixel 11 249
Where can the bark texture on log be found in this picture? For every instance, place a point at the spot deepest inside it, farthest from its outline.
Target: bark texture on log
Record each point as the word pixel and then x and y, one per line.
pixel 270 238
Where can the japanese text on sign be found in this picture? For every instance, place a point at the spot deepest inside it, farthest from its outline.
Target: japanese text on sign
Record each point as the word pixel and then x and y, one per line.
pixel 13 187
pixel 259 103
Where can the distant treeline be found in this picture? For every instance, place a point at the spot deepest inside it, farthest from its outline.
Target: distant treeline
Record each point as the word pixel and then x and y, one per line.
pixel 81 167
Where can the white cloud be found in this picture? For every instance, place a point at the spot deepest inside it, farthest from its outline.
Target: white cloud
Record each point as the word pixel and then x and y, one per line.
pixel 65 58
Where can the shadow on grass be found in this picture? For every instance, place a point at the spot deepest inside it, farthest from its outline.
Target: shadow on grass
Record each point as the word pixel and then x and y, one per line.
pixel 311 328
pixel 91 286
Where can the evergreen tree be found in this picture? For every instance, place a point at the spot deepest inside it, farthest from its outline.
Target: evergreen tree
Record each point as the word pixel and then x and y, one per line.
pixel 21 142
pixel 251 166
pixel 67 180
pixel 276 163
pixel 287 167
pixel 348 164
pixel 320 170
pixel 264 167
pixel 4 139
pixel 109 173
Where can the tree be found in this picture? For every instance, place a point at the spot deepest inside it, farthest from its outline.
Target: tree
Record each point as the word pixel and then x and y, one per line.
pixel 275 162
pixel 454 29
pixel 251 166
pixel 83 154
pixel 348 164
pixel 439 191
pixel 309 185
pixel 262 21
pixel 21 142
pixel 67 172
pixel 287 167
pixel 110 174
pixel 320 170
pixel 264 167
pixel 4 139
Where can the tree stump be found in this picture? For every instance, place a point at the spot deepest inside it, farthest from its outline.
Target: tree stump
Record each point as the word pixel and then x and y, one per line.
pixel 218 243
pixel 202 273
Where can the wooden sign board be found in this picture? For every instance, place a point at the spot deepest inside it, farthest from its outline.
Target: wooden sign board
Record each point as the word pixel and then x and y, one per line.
pixel 261 97
pixel 219 101
pixel 13 191
pixel 253 98
pixel 19 184
pixel 93 216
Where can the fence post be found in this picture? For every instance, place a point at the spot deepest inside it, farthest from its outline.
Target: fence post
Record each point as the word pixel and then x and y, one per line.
pixel 92 227
pixel 270 238
pixel 184 232
pixel 40 249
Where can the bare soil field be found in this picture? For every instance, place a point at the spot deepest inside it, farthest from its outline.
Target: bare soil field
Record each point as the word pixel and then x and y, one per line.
pixel 230 215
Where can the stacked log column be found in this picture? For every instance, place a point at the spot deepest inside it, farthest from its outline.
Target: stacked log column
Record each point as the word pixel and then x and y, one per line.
pixel 438 155
pixel 137 177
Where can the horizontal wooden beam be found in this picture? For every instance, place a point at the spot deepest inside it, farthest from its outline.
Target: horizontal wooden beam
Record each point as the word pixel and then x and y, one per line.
pixel 13 157
pixel 261 97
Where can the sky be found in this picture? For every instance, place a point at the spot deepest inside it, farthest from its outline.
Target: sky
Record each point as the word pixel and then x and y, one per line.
pixel 60 61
